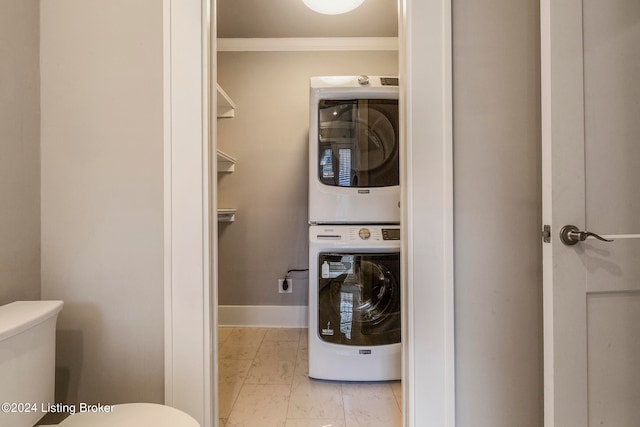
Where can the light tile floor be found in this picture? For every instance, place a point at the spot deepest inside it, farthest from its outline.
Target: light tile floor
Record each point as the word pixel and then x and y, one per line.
pixel 263 382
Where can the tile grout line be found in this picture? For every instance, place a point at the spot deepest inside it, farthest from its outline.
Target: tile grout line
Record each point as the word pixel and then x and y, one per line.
pixel 293 377
pixel 235 400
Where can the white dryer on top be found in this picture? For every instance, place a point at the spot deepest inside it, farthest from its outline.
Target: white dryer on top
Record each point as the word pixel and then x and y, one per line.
pixel 354 166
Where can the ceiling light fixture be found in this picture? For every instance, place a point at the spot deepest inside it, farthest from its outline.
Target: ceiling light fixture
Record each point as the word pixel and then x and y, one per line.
pixel 332 7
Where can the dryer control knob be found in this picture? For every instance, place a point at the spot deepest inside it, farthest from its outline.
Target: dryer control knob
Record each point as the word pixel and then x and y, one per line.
pixel 364 233
pixel 363 80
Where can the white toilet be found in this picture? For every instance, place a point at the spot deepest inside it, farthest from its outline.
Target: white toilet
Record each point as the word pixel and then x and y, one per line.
pixel 27 375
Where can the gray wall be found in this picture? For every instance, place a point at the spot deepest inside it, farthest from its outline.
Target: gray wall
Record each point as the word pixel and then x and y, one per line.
pixel 498 282
pixel 269 138
pixel 102 201
pixel 19 150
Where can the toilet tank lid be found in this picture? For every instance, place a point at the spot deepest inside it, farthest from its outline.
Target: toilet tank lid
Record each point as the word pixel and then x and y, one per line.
pixel 19 316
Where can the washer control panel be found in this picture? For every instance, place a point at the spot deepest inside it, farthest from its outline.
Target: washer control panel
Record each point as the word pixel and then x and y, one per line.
pixel 358 233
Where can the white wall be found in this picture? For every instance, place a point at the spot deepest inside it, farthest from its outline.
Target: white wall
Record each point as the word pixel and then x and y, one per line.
pixel 497 196
pixel 102 195
pixel 19 151
pixel 270 139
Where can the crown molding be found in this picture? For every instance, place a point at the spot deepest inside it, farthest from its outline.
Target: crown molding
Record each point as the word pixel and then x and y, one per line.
pixel 293 44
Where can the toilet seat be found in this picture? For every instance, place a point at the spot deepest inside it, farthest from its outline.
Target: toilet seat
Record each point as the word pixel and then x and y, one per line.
pixel 132 415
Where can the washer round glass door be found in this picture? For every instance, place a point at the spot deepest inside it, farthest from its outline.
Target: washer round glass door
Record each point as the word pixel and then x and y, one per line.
pixel 359 298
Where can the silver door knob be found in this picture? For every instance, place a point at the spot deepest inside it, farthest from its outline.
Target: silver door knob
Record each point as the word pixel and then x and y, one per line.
pixel 570 235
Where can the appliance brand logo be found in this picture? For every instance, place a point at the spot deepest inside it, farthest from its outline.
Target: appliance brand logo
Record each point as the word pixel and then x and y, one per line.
pixel 328 330
pixel 364 191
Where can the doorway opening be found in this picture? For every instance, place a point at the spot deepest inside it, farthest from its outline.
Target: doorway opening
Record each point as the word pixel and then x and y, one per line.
pixel 264 61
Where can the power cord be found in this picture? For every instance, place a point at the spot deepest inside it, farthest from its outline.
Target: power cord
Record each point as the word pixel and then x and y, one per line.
pixel 285 282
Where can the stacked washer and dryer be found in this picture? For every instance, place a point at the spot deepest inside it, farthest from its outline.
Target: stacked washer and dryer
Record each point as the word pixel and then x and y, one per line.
pixel 354 233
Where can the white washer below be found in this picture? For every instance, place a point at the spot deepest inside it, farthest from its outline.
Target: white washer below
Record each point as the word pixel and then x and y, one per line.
pixel 354 303
pixel 132 415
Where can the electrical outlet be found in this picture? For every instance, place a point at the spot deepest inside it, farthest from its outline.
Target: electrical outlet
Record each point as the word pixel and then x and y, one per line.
pixel 281 288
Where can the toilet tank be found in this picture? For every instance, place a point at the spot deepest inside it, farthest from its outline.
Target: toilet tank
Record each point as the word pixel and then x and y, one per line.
pixel 27 360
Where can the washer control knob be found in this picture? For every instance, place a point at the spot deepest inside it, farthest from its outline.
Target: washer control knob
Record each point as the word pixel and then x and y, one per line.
pixel 364 233
pixel 363 80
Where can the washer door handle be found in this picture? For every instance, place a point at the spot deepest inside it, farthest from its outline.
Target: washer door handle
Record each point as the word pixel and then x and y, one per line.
pixel 570 235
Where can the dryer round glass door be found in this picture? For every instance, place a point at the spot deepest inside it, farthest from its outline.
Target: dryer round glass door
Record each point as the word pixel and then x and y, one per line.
pixel 358 143
pixel 359 298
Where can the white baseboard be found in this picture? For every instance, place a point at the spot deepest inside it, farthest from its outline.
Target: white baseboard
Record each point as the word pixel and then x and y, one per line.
pixel 264 316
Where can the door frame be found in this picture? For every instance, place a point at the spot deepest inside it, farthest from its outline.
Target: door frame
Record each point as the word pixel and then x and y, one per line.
pixel 189 287
pixel 427 211
pixel 562 95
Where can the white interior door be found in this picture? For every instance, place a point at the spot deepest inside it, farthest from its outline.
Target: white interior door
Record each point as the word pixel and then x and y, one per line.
pixel 591 179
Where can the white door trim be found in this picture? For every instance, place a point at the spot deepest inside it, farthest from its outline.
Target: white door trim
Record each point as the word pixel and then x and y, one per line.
pixel 190 323
pixel 562 87
pixel 426 112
